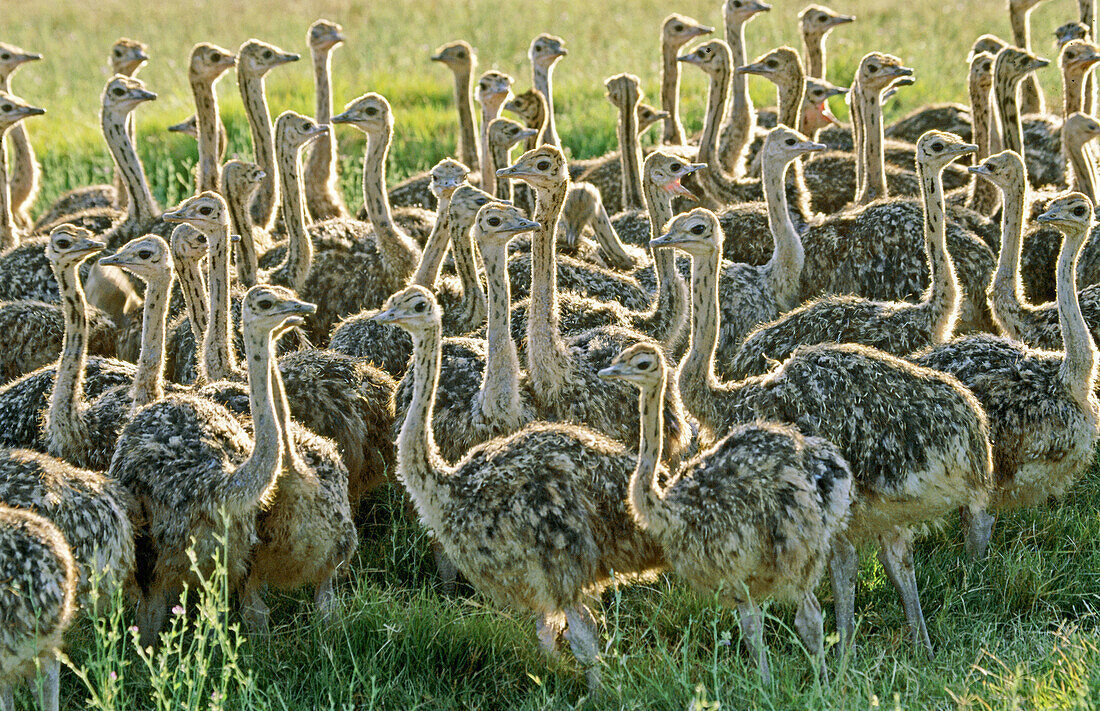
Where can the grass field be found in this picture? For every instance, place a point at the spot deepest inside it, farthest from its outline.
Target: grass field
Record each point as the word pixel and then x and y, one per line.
pixel 1020 630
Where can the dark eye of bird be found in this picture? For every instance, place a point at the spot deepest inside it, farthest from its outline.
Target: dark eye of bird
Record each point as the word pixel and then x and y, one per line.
pixel 772 64
pixel 6 108
pixel 267 54
pixel 460 54
pixel 215 57
pixel 372 111
pixel 118 53
pixel 205 210
pixel 421 307
pixel 791 141
pixel 872 69
pixel 644 364
pixel 1079 212
pixel 265 304
pixel 145 254
pixel 118 92
pixel 494 221
pixel 63 244
pixel 937 146
pixel 698 230
pixel 543 165
pixel 678 28
pixel 481 201
pixel 675 167
pixel 5 57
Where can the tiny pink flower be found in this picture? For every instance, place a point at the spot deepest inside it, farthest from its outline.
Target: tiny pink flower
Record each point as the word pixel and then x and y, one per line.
pixel 114 676
pixel 177 610
pixel 133 629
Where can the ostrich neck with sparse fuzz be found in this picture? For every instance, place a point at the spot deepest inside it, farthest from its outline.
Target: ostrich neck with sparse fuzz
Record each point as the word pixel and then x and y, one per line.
pixel 942 299
pixel 435 247
pixel 292 462
pixel 23 184
pixel 419 465
pixel 490 110
pixel 207 119
pixel 548 361
pixel 1082 168
pixel 1006 291
pixel 630 153
pixel 320 168
pixel 251 85
pixel 697 368
pixel 1088 17
pixel 257 473
pixel 874 160
pixel 784 270
pixel 644 496
pixel 240 220
pixel 193 285
pixel 543 78
pixel 742 115
pixel 673 134
pixel 792 87
pixel 8 238
pixel 217 346
pixel 499 395
pixel 1031 99
pixel 1078 370
pixel 473 308
pixel 468 149
pixel 499 187
pixel 400 254
pixel 855 107
pixel 299 247
pixel 148 385
pixel 983 194
pixel 142 208
pixel 1005 85
pixel 813 48
pixel 713 176
pixel 666 321
pixel 65 428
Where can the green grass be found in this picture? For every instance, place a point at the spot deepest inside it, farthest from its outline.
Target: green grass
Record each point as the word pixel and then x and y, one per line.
pixel 1019 630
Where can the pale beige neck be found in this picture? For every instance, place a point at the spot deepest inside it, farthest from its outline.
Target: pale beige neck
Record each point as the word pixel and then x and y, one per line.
pixel 1005 88
pixel 855 105
pixel 670 313
pixel 23 183
pixel 499 187
pixel 400 254
pixel 983 194
pixel 240 221
pixel 630 155
pixel 66 431
pixel 292 461
pixel 148 383
pixel 207 120
pixel 644 495
pixel 543 83
pixel 435 248
pixel 255 478
pixel 490 110
pixel 1006 291
pixel 714 178
pixel 499 395
pixel 263 144
pixel 942 299
pixel 321 179
pixel 698 364
pixel 1072 92
pixel 874 158
pixel 193 285
pixel 142 208
pixel 473 309
pixel 813 48
pixel 468 149
pixel 784 270
pixel 1078 370
pixel 548 359
pixel 673 134
pixel 218 358
pixel 737 132
pixel 8 237
pixel 419 464
pixel 299 247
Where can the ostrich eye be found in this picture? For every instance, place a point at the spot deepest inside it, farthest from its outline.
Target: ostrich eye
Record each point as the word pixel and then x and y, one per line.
pixel 698 229
pixel 677 28
pixel 118 53
pixel 1079 211
pixel 267 54
pixel 494 221
pixel 737 3
pixel 5 56
pixel 543 165
pixel 145 254
pixel 265 304
pixel 117 91
pixel 372 111
pixel 822 17
pixel 772 64
pixel 200 239
pixel 791 141
pixel 205 210
pixel 6 108
pixel 461 54
pixel 871 69
pixel 675 167
pixel 937 146
pixel 481 201
pixel 216 57
pixel 63 244
pixel 421 307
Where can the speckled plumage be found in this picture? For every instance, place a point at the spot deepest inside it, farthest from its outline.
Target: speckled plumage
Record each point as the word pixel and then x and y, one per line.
pixel 92 511
pixel 37 600
pixel 949 118
pixel 33 331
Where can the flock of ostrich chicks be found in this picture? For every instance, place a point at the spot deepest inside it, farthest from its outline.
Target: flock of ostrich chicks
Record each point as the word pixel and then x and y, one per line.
pixel 835 334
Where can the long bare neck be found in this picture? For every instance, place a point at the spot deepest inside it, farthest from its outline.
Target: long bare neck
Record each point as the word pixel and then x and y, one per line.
pixel 500 187
pixel 468 149
pixel 473 308
pixel 1088 17
pixel 1031 98
pixel 490 111
pixel 208 121
pixel 193 285
pixel 670 313
pixel 548 361
pixel 299 247
pixel 1006 291
pixel 499 395
pixel 630 156
pixel 24 170
pixel 855 105
pixel 792 87
pixel 737 132
pixel 321 164
pixel 788 257
pixel 400 253
pixel 292 462
pixel 141 208
pixel 813 48
pixel 263 143
pixel 673 134
pixel 1073 98
pixel 1078 370
pixel 644 494
pixel 1082 169
pixel 148 383
pixel 713 176
pixel 983 196
pixel 255 477
pixel 698 363
pixel 874 159
pixel 543 78
pixel 66 431
pixel 217 346
pixel 240 221
pixel 435 248
pixel 942 298
pixel 419 465
pixel 8 238
pixel 1004 88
